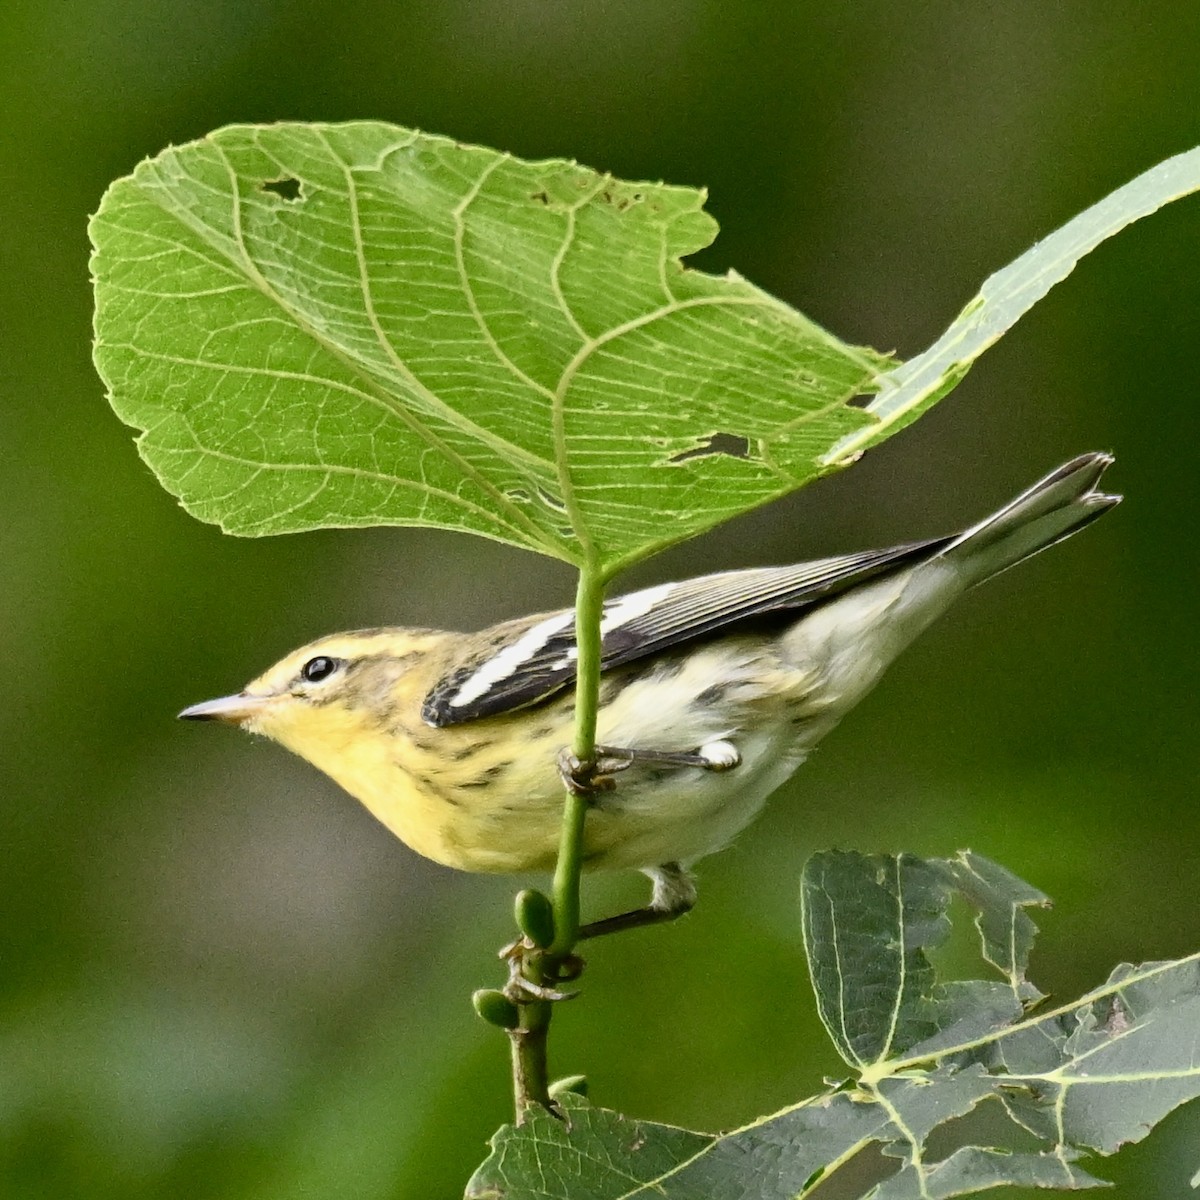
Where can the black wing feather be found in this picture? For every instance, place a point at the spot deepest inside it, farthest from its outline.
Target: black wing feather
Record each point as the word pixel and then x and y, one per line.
pixel 688 611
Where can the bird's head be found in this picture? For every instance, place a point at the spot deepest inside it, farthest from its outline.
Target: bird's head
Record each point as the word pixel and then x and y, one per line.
pixel 328 694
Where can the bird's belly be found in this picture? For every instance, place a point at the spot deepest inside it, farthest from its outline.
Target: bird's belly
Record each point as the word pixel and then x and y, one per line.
pixel 652 815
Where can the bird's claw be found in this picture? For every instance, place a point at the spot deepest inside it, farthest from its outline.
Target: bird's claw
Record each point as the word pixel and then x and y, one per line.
pixel 520 989
pixel 520 949
pixel 586 778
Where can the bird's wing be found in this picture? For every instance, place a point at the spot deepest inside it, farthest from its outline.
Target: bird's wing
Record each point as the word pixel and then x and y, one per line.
pixel 532 659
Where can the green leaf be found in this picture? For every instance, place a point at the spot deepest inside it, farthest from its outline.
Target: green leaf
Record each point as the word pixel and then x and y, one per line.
pixel 916 385
pixel 338 325
pixel 1006 929
pixel 1083 1077
pixel 869 921
pixel 974 1169
pixel 358 324
pixel 1120 1062
pixel 591 1155
pixel 779 1157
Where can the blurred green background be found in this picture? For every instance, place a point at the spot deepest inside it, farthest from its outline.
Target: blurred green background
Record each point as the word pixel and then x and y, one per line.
pixel 219 977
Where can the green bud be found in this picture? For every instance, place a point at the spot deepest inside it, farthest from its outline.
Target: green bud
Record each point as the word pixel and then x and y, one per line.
pixel 576 1085
pixel 496 1008
pixel 535 917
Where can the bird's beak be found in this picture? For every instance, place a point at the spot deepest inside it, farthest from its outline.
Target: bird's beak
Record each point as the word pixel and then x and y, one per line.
pixel 233 710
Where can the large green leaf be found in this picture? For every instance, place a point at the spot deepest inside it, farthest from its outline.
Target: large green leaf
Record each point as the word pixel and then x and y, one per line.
pixel 1080 1078
pixel 319 325
pixel 358 324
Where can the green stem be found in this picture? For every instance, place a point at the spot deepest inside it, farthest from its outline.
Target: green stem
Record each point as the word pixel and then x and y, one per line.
pixel 589 604
pixel 530 1067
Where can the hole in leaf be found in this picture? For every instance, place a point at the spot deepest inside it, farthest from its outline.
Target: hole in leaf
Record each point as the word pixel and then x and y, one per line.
pixel 731 444
pixel 1118 1019
pixel 550 501
pixel 861 400
pixel 286 189
pixel 541 197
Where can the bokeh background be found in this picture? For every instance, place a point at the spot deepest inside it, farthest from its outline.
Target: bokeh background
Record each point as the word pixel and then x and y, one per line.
pixel 219 977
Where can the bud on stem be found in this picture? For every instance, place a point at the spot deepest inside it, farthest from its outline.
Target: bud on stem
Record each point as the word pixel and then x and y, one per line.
pixel 535 917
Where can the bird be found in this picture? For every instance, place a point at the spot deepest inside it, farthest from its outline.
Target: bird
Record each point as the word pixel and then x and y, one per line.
pixel 713 691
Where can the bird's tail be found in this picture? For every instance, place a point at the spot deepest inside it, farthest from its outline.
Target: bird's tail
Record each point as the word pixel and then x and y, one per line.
pixel 1053 509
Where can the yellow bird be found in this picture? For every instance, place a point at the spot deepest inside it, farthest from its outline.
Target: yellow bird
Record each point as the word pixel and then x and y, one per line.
pixel 713 692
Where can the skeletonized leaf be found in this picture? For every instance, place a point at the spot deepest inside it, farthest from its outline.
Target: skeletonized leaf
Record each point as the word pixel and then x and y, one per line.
pixel 1000 900
pixel 776 1158
pixel 1083 1077
pixel 1121 1062
pixel 593 1154
pixel 597 1155
pixel 868 921
pixel 974 1169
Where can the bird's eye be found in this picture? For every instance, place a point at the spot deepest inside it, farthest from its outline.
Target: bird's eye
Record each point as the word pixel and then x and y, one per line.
pixel 318 668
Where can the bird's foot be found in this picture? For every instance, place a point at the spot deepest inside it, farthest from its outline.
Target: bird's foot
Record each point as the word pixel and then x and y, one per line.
pixel 586 778
pixel 532 974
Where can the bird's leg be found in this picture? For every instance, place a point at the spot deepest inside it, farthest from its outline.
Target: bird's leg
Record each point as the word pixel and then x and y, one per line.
pixel 584 778
pixel 674 889
pixel 712 756
pixel 674 894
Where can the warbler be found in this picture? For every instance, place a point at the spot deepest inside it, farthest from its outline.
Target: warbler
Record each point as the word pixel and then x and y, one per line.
pixel 713 691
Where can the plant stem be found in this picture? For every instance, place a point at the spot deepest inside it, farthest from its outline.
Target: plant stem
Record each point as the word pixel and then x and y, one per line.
pixel 589 603
pixel 530 1067
pixel 531 1080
